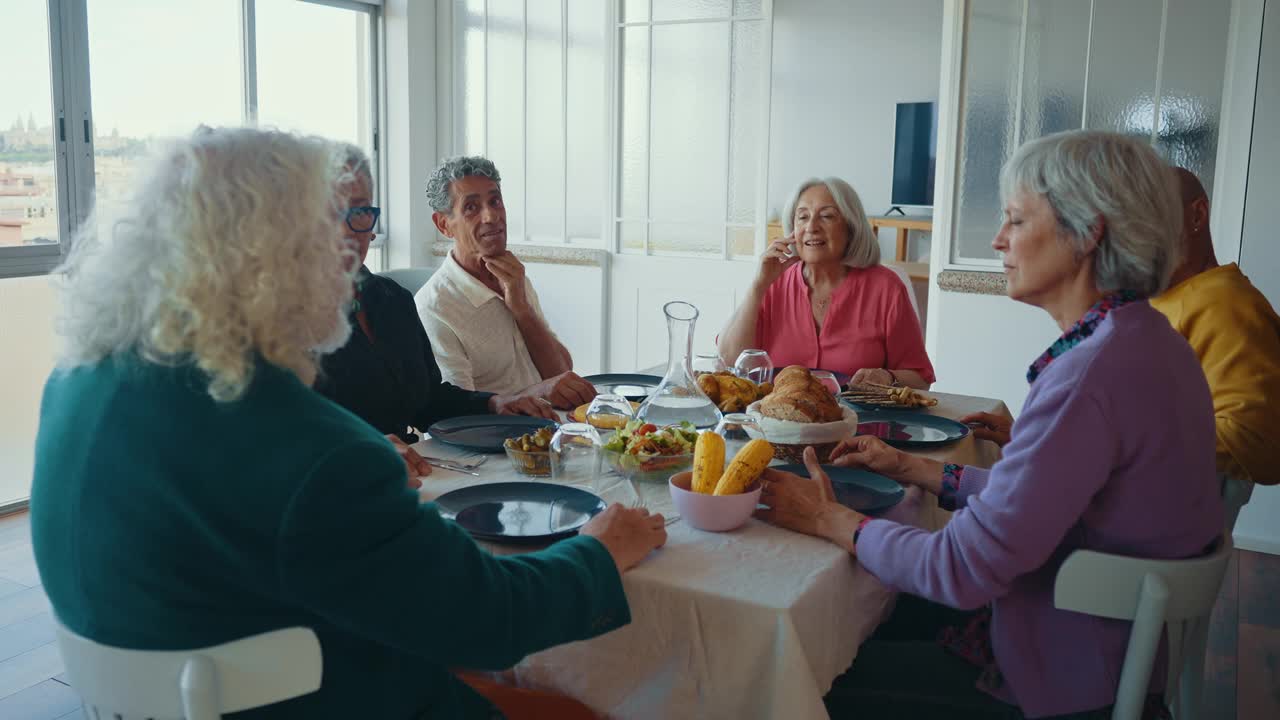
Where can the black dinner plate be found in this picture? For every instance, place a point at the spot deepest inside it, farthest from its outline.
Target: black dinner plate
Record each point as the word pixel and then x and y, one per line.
pixel 484 433
pixel 907 428
pixel 862 490
pixel 633 386
pixel 520 512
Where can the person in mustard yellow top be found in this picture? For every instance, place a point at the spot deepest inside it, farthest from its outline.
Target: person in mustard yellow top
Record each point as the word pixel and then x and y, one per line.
pixel 1236 334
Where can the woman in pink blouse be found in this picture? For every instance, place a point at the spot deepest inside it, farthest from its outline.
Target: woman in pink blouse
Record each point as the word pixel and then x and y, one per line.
pixel 822 299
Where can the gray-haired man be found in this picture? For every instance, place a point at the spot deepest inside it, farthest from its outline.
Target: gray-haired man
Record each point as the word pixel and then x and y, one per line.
pixel 480 311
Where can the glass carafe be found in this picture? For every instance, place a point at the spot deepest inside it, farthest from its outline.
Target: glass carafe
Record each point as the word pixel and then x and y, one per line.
pixel 678 397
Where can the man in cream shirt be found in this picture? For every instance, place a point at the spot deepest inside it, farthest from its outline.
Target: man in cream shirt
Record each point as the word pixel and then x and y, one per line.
pixel 479 310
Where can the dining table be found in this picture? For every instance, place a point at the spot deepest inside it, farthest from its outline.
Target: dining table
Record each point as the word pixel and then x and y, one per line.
pixel 752 623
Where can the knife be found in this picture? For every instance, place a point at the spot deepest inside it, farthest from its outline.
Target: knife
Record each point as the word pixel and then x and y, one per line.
pixel 454 468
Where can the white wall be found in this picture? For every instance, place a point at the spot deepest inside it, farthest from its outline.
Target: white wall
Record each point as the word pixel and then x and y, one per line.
pixel 640 286
pixel 985 343
pixel 570 296
pixel 839 69
pixel 1258 527
pixel 29 342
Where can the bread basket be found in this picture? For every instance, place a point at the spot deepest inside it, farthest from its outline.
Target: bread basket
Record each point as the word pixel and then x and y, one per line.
pixel 789 439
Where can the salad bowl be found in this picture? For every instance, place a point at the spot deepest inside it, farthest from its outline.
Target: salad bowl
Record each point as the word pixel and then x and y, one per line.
pixel 641 451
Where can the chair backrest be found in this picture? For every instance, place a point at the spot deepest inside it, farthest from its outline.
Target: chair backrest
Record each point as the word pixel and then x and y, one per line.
pixel 911 288
pixel 411 279
pixel 1152 594
pixel 199 684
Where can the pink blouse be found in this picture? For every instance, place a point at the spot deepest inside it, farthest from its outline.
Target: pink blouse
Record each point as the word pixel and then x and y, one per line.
pixel 870 324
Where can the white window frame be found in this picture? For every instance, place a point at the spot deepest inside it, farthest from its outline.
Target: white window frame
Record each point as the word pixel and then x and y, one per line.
pixel 760 225
pixel 73 126
pixel 451 134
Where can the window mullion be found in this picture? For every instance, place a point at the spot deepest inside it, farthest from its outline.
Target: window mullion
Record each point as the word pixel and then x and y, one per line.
pixel 76 123
pixel 249 61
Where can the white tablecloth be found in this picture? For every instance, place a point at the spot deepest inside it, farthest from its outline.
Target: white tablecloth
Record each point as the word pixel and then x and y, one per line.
pixel 754 623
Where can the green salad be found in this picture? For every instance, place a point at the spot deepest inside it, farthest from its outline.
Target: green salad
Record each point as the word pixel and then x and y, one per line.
pixel 644 446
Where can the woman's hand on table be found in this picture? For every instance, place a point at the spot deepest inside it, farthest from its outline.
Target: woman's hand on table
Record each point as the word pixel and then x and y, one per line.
pixel 996 428
pixel 877 376
pixel 871 453
pixel 629 534
pixel 415 467
pixel 807 505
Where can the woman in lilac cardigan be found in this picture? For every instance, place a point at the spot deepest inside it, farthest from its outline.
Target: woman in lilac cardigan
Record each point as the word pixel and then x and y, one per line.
pixel 1114 452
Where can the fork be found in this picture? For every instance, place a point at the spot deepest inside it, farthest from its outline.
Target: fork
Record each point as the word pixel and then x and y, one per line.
pixel 459 463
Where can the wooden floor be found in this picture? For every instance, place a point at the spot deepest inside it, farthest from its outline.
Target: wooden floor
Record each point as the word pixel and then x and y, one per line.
pixel 1242 667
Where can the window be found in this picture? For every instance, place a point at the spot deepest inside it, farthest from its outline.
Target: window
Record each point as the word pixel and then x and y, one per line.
pixel 1027 73
pixel 90 84
pixel 95 88
pixel 137 100
pixel 693 99
pixel 29 164
pixel 531 95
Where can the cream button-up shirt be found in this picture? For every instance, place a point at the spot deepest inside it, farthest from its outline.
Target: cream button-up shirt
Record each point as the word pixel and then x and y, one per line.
pixel 475 337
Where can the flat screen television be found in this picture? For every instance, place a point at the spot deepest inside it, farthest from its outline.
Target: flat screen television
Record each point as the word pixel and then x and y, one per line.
pixel 915 152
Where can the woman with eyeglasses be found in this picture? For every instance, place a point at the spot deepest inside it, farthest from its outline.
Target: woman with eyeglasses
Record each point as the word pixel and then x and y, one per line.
pixel 387 373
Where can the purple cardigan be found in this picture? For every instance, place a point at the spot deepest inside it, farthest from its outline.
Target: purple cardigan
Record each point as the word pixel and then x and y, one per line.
pixel 1114 452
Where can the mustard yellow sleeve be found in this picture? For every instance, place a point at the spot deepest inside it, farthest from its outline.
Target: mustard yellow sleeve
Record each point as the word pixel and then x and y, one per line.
pixel 1236 335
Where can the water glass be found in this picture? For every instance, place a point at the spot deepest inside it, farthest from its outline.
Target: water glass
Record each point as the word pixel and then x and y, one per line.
pixel 708 363
pixel 828 381
pixel 576 461
pixel 754 365
pixel 609 412
pixel 737 429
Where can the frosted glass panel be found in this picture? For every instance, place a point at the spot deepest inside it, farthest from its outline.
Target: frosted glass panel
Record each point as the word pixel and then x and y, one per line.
pixel 631 235
pixel 633 10
pixel 690 103
pixel 633 193
pixel 742 241
pixel 687 238
pixel 991 73
pixel 505 93
pixel 747 103
pixel 468 121
pixel 544 141
pixel 690 9
pixel 1122 61
pixel 1053 77
pixel 1195 49
pixel 586 122
pixel 747 7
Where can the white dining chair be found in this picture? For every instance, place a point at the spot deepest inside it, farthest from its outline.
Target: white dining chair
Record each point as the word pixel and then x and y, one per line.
pixel 911 288
pixel 411 279
pixel 199 684
pixel 1154 594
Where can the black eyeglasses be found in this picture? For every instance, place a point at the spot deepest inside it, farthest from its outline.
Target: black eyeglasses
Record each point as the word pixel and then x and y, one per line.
pixel 363 218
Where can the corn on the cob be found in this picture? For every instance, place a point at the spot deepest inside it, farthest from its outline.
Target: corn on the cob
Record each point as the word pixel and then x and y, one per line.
pixel 708 462
pixel 747 465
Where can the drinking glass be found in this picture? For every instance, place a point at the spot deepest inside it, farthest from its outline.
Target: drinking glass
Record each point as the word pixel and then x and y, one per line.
pixel 754 365
pixel 737 429
pixel 609 412
pixel 708 363
pixel 576 461
pixel 828 381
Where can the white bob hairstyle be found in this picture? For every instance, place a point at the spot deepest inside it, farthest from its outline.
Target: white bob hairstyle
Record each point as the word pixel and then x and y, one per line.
pixel 863 249
pixel 229 249
pixel 1091 177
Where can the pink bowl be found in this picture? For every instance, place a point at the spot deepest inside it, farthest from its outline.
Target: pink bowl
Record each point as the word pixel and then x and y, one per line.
pixel 713 513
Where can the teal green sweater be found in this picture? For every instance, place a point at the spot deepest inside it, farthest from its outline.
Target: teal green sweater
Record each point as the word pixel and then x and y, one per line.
pixel 164 520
